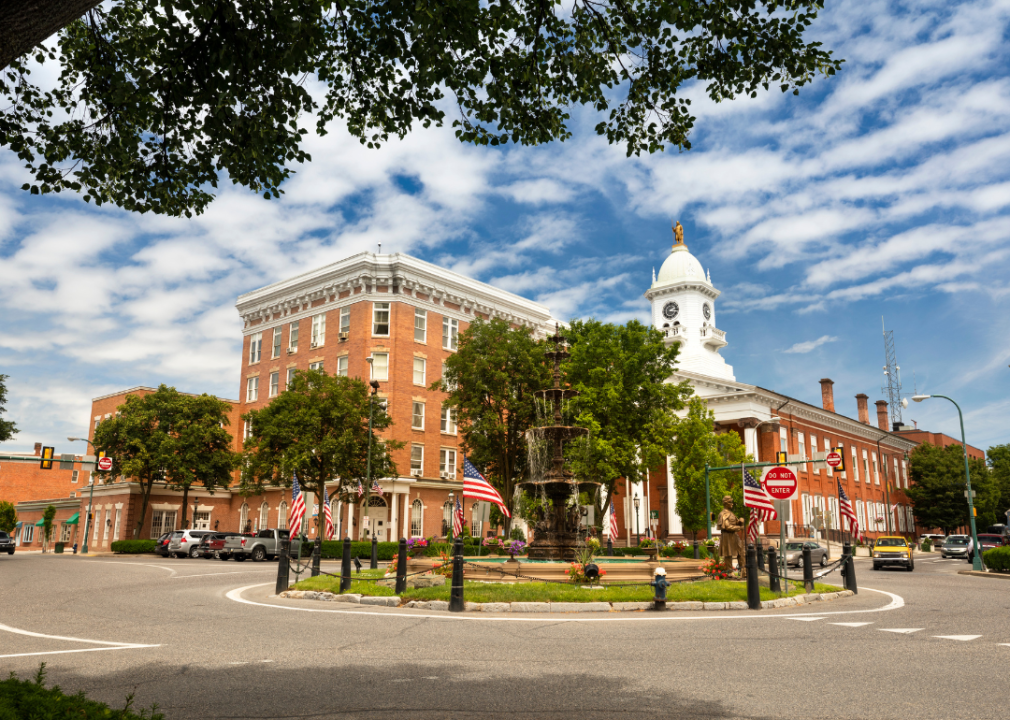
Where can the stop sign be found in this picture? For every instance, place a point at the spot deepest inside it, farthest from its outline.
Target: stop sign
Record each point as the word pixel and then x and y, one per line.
pixel 780 483
pixel 105 464
pixel 834 459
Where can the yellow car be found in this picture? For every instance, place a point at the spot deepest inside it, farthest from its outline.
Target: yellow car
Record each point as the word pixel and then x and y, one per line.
pixel 892 550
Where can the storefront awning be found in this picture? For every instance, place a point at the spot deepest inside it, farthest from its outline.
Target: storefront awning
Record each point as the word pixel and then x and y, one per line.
pixel 40 523
pixel 18 525
pixel 72 520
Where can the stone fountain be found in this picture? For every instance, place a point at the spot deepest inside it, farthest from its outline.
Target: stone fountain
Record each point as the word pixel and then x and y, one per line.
pixel 558 531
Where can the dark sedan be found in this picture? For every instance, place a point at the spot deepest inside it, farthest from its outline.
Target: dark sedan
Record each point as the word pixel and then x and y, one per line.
pixel 161 545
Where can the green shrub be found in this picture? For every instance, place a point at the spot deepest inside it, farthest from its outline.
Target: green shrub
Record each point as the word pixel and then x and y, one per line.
pixel 132 547
pixel 334 549
pixel 927 545
pixel 997 559
pixel 32 699
pixel 517 534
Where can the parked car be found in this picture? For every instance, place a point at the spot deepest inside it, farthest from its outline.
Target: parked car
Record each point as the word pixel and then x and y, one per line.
pixel 161 544
pixel 212 546
pixel 936 540
pixel 893 550
pixel 955 546
pixel 186 543
pixel 794 552
pixel 986 541
pixel 6 543
pixel 264 545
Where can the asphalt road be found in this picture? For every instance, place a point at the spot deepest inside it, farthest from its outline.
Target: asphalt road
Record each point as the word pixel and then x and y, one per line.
pixel 205 639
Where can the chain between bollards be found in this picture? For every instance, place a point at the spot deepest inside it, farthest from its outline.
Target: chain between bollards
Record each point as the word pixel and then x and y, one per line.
pixel 456 603
pixel 345 566
pixel 401 567
pixel 808 570
pixel 283 567
pixel 753 586
pixel 374 564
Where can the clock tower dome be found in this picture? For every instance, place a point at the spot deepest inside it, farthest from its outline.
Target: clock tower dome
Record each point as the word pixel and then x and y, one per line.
pixel 683 309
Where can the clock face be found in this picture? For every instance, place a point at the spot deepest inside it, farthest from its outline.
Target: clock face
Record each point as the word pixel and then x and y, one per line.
pixel 670 310
pixel 706 311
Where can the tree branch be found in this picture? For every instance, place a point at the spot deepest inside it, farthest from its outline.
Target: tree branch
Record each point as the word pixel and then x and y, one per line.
pixel 26 23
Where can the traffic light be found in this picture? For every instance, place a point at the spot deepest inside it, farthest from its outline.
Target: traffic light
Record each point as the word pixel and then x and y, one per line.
pixel 47 458
pixel 781 457
pixel 841 466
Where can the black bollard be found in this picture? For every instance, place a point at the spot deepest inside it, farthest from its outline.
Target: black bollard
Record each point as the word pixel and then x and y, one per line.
pixel 753 586
pixel 610 546
pixel 401 567
pixel 456 603
pixel 317 554
pixel 773 571
pixel 697 554
pixel 761 557
pixel 345 566
pixel 808 570
pixel 375 554
pixel 849 568
pixel 283 567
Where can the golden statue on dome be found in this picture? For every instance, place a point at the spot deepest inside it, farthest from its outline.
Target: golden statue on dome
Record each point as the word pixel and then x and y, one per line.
pixel 678 234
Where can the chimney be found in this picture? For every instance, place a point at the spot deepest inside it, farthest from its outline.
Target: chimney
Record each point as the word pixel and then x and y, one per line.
pixel 863 403
pixel 38 449
pixel 882 419
pixel 828 394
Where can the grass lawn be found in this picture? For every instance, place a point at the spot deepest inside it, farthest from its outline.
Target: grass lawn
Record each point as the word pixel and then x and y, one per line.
pixel 703 590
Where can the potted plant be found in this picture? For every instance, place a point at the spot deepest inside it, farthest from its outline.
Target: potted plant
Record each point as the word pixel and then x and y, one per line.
pixel 417 546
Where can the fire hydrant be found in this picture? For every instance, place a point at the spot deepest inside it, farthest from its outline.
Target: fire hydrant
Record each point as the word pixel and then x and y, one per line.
pixel 661 584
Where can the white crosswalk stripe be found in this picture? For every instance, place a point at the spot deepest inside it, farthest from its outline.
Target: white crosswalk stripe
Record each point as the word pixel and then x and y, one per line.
pixel 903 631
pixel 962 638
pixel 859 624
pixel 806 619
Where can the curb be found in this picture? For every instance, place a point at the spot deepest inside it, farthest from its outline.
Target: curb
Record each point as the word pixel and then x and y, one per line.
pixel 560 607
pixel 976 573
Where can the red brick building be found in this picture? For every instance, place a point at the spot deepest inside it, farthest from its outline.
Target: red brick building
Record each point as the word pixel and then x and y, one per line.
pixel 940 440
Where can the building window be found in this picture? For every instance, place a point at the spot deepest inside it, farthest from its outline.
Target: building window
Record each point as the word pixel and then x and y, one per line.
pixel 420 370
pixel 73 478
pixel 446 517
pixel 162 521
pixel 417 416
pixel 115 531
pixel 345 320
pixel 293 336
pixel 416 508
pixel 255 346
pixel 416 460
pixel 380 319
pixel 897 477
pixel 316 366
pixel 449 387
pixel 866 469
pixel 290 378
pixel 277 342
pixel 855 464
pixel 448 420
pixel 275 383
pixel 450 333
pixel 783 441
pixel 342 366
pixel 447 463
pixel 65 530
pixel 243 519
pixel 827 449
pixel 813 450
pixel 876 471
pixel 380 366
pixel 420 325
pixel 318 330
pixel 265 515
pixel 282 516
pixel 252 389
pixel 28 534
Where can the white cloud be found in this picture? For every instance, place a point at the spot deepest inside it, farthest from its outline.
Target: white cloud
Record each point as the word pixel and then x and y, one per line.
pixel 802 348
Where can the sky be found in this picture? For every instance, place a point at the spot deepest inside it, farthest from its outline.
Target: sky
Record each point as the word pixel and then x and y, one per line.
pixel 883 192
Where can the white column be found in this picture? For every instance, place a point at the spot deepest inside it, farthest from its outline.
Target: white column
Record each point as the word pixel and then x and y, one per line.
pixel 406 515
pixel 750 441
pixel 348 527
pixel 673 519
pixel 393 517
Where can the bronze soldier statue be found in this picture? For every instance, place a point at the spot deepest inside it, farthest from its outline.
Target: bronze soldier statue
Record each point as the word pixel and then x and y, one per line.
pixel 731 541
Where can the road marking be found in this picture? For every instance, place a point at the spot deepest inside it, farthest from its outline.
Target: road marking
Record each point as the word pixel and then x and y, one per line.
pixel 235 595
pixel 962 638
pixel 806 619
pixel 110 645
pixel 231 572
pixel 126 563
pixel 860 624
pixel 903 631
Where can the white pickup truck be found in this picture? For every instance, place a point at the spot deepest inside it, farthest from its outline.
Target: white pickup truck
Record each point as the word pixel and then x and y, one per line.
pixel 265 545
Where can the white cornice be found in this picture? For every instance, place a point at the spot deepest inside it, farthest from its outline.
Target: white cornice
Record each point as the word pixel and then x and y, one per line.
pixel 698 285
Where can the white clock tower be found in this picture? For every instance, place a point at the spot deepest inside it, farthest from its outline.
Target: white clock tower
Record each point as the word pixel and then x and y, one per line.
pixel 683 309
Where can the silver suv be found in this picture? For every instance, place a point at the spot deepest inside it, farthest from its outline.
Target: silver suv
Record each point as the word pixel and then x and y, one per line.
pixel 186 543
pixel 955 546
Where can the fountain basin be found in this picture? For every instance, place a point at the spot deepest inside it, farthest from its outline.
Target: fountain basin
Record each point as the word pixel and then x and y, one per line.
pixel 618 571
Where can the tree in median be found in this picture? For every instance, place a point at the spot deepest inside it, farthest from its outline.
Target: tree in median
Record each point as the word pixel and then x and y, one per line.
pixel 8 516
pixel 47 525
pixel 938 487
pixel 156 102
pixel 7 428
pixel 491 382
pixel 620 372
pixel 317 429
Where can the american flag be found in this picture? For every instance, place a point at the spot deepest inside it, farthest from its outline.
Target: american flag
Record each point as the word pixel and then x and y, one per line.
pixel 361 489
pixel 327 515
pixel 613 521
pixel 476 486
pixel 457 519
pixel 297 506
pixel 845 508
pixel 760 504
pixel 376 489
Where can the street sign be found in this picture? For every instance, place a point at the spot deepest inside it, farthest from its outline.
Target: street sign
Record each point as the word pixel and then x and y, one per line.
pixel 780 483
pixel 654 514
pixel 833 458
pixel 105 464
pixel 67 461
pixel 840 467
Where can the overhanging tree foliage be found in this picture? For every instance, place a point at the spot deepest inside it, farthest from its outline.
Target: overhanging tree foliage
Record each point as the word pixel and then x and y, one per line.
pixel 620 372
pixel 317 429
pixel 8 516
pixel 7 428
pixel 998 457
pixel 158 100
pixel 491 380
pixel 938 487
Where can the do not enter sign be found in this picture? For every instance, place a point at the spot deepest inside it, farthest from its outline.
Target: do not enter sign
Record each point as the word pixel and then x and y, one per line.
pixel 105 464
pixel 780 483
pixel 834 459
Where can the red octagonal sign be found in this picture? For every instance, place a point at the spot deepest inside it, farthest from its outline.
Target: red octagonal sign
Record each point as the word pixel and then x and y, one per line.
pixel 833 459
pixel 105 464
pixel 780 483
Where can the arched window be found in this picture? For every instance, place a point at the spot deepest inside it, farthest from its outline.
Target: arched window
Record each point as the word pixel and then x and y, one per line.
pixel 376 501
pixel 243 519
pixel 264 515
pixel 446 518
pixel 415 518
pixel 282 516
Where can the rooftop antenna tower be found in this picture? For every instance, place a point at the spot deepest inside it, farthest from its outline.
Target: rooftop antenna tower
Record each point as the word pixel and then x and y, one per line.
pixel 892 375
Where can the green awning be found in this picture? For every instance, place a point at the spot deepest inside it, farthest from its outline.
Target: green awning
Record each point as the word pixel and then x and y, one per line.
pixel 72 520
pixel 40 523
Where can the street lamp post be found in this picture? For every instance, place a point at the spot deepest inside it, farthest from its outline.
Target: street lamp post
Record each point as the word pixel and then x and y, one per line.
pixel 976 563
pixel 91 497
pixel 638 526
pixel 368 462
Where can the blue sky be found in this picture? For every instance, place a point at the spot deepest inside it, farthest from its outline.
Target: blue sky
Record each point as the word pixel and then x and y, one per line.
pixel 884 191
